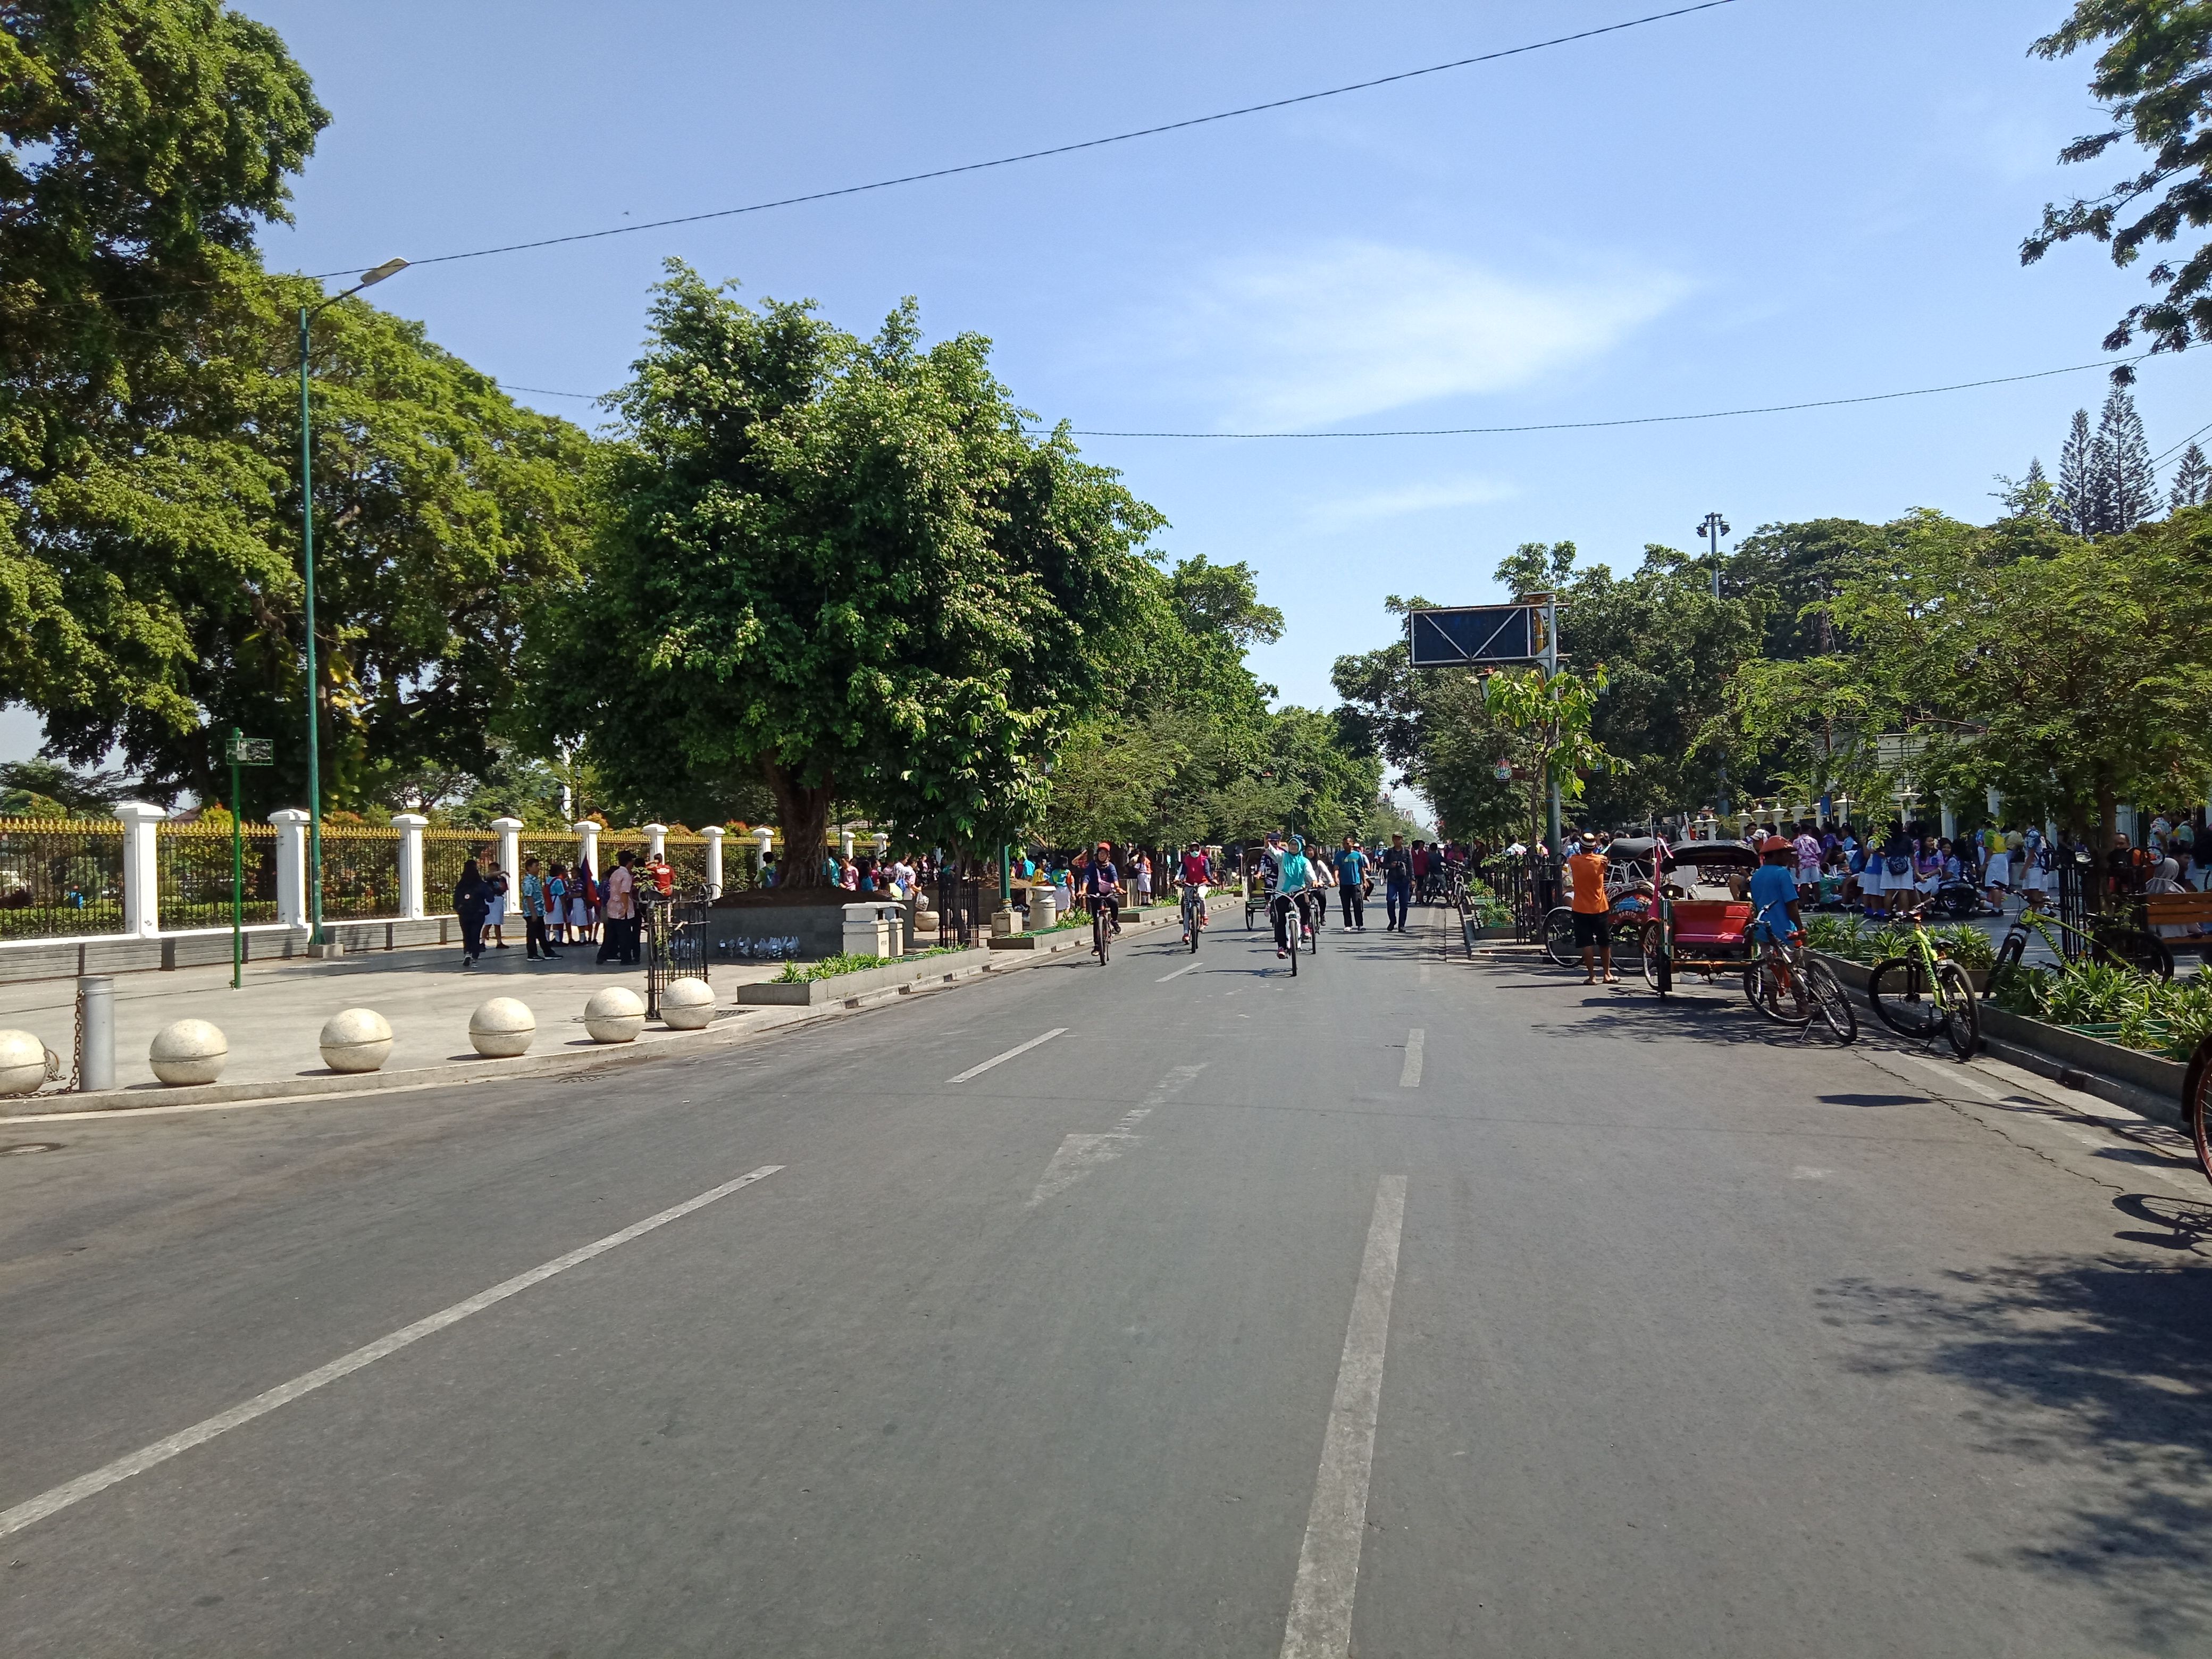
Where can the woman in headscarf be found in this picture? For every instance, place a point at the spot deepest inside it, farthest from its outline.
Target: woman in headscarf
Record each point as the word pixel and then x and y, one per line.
pixel 2168 880
pixel 471 903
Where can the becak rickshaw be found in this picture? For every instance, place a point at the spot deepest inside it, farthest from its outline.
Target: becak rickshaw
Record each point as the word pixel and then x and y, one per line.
pixel 1704 919
pixel 1633 903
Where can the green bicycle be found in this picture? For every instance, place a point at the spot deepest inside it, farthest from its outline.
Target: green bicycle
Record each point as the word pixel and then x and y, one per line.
pixel 1925 994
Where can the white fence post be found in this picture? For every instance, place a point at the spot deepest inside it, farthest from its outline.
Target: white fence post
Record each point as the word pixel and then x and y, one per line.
pixel 142 870
pixel 510 855
pixel 714 834
pixel 656 841
pixel 291 823
pixel 587 846
pixel 410 825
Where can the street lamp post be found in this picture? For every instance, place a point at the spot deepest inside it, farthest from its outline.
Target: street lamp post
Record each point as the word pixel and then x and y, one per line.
pixel 307 314
pixel 1712 531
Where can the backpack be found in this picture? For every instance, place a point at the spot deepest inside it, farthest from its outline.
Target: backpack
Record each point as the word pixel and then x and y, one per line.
pixel 1898 864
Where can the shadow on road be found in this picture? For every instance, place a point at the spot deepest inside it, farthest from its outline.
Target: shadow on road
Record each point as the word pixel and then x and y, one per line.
pixel 2099 1372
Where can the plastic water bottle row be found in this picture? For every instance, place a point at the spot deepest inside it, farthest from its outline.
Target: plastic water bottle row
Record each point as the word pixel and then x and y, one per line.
pixel 746 948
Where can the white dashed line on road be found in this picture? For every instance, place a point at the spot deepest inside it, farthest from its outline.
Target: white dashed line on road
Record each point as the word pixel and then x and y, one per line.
pixel 1178 973
pixel 1001 1060
pixel 85 1486
pixel 1410 1077
pixel 1320 1622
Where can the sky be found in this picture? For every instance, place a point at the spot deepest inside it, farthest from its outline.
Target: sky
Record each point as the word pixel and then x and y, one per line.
pixel 1771 202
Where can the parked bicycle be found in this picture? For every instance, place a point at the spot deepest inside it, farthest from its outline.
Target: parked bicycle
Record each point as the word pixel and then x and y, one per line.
pixel 1787 986
pixel 2197 1105
pixel 2114 944
pixel 1924 994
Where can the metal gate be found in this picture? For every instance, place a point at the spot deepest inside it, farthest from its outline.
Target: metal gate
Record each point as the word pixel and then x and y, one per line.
pixel 675 930
pixel 963 908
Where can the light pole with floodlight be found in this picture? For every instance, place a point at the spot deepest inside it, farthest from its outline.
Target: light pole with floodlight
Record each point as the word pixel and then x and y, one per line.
pixel 307 314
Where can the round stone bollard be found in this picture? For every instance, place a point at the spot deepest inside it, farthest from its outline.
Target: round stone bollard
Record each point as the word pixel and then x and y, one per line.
pixel 615 1015
pixel 686 1005
pixel 502 1028
pixel 22 1063
pixel 358 1040
pixel 189 1051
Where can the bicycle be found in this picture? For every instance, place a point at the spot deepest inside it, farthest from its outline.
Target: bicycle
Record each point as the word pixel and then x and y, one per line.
pixel 2110 943
pixel 2197 1105
pixel 1624 923
pixel 1791 989
pixel 1926 994
pixel 1194 907
pixel 1102 932
pixel 1294 926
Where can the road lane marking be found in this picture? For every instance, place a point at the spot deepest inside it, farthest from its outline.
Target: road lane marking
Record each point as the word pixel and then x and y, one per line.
pixel 1411 1077
pixel 1178 973
pixel 1079 1155
pixel 1955 1074
pixel 146 1457
pixel 1001 1060
pixel 1320 1622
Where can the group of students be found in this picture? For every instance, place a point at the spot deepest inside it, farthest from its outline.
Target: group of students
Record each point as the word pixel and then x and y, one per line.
pixel 562 905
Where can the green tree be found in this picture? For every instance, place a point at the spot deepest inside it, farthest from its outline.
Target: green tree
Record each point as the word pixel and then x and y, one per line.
pixel 841 566
pixel 1546 720
pixel 2154 77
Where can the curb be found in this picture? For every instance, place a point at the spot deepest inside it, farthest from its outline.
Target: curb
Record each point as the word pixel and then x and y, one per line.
pixel 726 1032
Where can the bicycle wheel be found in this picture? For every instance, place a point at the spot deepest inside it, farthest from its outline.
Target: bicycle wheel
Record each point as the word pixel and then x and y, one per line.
pixel 2131 947
pixel 1777 991
pixel 2009 952
pixel 1902 999
pixel 1652 947
pixel 1099 936
pixel 2196 1105
pixel 1559 939
pixel 1628 946
pixel 1831 1003
pixel 1962 1018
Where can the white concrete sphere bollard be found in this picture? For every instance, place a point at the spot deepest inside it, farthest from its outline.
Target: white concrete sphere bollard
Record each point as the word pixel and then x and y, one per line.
pixel 22 1063
pixel 502 1028
pixel 687 1004
pixel 615 1015
pixel 189 1051
pixel 357 1040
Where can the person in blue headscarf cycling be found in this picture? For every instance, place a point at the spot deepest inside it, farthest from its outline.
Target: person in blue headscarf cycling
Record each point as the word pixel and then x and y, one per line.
pixel 1294 879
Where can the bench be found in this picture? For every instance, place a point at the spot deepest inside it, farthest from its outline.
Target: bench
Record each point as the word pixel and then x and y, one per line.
pixel 1710 921
pixel 2191 912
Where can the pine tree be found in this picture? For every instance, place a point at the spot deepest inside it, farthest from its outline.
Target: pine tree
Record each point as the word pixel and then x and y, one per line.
pixel 2129 488
pixel 2074 489
pixel 2030 497
pixel 2193 481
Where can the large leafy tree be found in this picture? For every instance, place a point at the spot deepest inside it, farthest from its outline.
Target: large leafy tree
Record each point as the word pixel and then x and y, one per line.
pixel 2154 77
pixel 842 567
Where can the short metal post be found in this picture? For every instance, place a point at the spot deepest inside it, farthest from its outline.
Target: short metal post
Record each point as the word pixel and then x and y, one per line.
pixel 96 1032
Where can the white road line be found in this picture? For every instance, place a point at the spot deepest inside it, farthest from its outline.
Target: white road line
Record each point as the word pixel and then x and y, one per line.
pixel 1411 1077
pixel 146 1457
pixel 1001 1060
pixel 1961 1074
pixel 1178 973
pixel 1320 1622
pixel 1079 1155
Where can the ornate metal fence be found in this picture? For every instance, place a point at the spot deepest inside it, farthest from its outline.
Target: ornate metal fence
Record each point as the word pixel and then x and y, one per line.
pixel 361 872
pixel 444 852
pixel 60 877
pixel 193 863
pixel 675 938
pixel 964 907
pixel 687 857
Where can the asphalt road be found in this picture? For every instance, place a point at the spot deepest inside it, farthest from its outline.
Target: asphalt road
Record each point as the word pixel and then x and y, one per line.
pixel 1411 1307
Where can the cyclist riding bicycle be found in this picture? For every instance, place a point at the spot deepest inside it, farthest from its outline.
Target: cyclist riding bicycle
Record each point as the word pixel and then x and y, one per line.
pixel 1102 886
pixel 1294 877
pixel 1192 874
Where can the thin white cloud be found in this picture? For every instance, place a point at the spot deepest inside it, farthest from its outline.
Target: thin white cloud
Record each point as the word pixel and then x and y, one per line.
pixel 1352 329
pixel 1345 511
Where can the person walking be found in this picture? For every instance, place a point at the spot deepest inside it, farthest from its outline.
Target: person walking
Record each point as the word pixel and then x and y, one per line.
pixel 583 903
pixel 556 904
pixel 471 902
pixel 1397 884
pixel 496 908
pixel 536 946
pixel 1351 878
pixel 618 912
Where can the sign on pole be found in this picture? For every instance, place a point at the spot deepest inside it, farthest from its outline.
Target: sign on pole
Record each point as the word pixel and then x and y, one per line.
pixel 1466 635
pixel 241 752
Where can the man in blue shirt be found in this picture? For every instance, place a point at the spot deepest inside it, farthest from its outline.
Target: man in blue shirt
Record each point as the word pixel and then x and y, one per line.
pixel 1774 891
pixel 1351 871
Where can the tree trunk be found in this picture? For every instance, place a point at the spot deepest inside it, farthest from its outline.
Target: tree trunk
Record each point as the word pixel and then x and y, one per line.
pixel 806 813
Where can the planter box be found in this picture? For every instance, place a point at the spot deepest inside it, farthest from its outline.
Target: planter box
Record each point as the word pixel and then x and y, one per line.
pixel 842 987
pixel 2153 1073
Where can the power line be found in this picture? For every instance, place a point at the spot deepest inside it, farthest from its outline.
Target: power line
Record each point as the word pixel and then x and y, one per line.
pixel 1065 149
pixel 2160 458
pixel 1636 420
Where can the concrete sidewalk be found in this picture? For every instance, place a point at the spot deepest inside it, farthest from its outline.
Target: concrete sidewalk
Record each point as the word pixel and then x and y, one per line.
pixel 273 1023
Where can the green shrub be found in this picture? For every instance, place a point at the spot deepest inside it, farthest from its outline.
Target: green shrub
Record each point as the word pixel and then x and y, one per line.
pixel 1837 936
pixel 1965 944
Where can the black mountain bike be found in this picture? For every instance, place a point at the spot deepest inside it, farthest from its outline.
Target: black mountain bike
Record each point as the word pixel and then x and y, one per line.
pixel 1192 908
pixel 2114 944
pixel 1101 930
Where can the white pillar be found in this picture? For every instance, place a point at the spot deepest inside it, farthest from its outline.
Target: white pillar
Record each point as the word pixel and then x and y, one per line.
pixel 587 846
pixel 1949 826
pixel 656 841
pixel 845 840
pixel 766 837
pixel 510 854
pixel 883 845
pixel 141 872
pixel 291 865
pixel 714 834
pixel 1996 806
pixel 410 826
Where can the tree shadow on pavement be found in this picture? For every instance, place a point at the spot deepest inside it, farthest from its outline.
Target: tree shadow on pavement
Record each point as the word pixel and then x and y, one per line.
pixel 2098 1371
pixel 1641 1016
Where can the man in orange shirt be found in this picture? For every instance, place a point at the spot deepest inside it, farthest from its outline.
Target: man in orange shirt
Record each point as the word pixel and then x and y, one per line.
pixel 1592 905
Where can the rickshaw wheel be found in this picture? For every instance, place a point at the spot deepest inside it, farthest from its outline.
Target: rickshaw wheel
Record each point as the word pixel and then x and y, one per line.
pixel 1653 944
